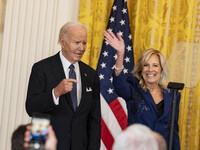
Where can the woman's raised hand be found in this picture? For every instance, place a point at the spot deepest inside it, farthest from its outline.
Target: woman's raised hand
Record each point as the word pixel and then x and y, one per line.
pixel 116 42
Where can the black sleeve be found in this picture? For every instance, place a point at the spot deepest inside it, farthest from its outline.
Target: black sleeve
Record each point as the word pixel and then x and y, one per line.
pixel 39 96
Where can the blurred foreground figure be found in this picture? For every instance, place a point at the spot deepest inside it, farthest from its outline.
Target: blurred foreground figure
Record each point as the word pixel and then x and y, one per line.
pixel 17 139
pixel 136 137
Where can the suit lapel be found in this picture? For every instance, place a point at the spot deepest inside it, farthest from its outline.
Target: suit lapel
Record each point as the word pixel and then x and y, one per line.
pixel 60 74
pixel 167 103
pixel 84 82
pixel 167 97
pixel 58 68
pixel 150 100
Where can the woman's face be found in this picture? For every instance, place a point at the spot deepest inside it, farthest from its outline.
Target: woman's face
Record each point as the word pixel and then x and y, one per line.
pixel 151 70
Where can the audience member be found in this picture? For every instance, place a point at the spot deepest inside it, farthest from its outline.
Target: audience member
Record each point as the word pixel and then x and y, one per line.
pixel 160 140
pixel 136 137
pixel 17 139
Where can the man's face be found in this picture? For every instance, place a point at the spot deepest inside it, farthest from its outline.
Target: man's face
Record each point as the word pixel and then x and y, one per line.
pixel 74 46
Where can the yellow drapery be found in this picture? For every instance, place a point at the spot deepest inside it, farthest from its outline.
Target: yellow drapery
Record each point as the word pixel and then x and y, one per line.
pixel 160 24
pixel 2 20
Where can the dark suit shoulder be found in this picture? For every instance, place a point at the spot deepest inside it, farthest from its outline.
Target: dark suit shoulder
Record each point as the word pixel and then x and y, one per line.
pixel 85 66
pixel 50 65
pixel 49 59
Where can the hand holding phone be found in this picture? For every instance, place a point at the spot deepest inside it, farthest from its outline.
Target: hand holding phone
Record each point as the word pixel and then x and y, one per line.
pixel 51 141
pixel 39 131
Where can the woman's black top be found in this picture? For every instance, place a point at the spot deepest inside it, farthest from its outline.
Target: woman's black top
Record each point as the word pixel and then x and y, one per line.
pixel 160 108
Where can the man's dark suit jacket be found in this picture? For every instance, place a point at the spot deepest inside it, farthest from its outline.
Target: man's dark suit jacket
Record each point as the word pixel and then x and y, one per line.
pixel 75 130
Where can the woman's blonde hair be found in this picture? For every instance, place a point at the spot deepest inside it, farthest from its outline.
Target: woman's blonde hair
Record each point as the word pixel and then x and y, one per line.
pixel 137 71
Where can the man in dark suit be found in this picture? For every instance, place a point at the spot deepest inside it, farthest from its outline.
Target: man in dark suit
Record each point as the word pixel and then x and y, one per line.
pixel 76 118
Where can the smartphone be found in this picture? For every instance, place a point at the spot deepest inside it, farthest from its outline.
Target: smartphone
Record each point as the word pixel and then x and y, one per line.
pixel 39 124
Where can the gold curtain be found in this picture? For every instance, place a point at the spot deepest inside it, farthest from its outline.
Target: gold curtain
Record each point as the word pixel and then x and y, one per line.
pixel 2 19
pixel 160 24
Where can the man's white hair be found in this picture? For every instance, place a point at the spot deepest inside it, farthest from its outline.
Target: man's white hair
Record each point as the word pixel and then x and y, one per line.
pixel 136 137
pixel 66 28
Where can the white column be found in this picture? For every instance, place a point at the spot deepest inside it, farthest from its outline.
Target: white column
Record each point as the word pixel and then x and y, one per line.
pixel 30 34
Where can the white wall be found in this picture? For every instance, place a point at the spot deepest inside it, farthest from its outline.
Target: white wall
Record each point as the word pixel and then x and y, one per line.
pixel 30 34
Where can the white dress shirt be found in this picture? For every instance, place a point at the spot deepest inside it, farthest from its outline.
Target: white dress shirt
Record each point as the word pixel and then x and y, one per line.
pixel 66 64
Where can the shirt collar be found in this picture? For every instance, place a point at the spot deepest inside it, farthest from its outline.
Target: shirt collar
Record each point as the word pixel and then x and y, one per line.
pixel 65 62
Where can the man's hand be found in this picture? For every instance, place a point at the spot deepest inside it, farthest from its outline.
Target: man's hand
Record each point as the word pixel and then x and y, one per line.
pixel 64 87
